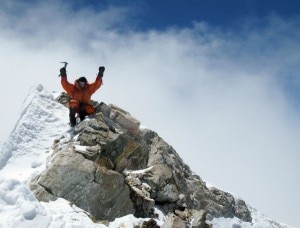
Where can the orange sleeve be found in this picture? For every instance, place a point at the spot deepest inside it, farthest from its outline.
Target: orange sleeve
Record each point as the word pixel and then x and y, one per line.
pixel 93 87
pixel 68 87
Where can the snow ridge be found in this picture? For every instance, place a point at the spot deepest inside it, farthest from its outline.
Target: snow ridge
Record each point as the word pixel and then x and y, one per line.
pixel 40 121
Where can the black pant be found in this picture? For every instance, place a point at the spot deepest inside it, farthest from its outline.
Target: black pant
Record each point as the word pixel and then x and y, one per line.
pixel 82 114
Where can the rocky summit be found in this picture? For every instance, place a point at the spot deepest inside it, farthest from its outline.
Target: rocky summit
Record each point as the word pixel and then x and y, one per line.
pixel 110 167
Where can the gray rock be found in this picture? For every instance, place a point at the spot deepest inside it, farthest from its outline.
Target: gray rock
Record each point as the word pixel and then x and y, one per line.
pixel 174 222
pixel 92 188
pixel 124 119
pixel 168 193
pixel 104 109
pixel 151 223
pixel 64 99
pixel 112 168
pixel 242 211
pixel 140 196
pixel 198 218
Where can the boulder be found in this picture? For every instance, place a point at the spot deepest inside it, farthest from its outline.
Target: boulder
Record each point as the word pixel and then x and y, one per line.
pixel 94 189
pixel 124 119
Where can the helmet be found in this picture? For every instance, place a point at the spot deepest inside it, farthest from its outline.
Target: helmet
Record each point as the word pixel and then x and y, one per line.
pixel 82 79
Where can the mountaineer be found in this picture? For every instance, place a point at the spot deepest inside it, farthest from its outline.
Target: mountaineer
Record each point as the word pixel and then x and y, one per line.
pixel 80 92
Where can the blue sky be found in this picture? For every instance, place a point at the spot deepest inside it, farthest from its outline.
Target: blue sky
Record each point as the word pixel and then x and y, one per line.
pixel 163 14
pixel 218 81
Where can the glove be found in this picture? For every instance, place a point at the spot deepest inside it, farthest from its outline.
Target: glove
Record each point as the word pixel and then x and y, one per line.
pixel 63 72
pixel 101 70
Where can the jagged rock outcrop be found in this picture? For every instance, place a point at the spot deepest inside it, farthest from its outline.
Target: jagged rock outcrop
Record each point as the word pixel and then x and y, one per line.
pixel 111 167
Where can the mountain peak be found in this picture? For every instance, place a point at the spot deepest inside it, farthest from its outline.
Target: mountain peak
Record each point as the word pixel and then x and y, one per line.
pixel 108 168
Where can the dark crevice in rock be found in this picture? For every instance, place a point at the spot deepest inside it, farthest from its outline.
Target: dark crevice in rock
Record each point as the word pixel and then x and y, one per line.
pixel 48 190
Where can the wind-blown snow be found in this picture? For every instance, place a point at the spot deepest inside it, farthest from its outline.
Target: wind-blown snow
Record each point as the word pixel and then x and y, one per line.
pixel 41 120
pixel 24 154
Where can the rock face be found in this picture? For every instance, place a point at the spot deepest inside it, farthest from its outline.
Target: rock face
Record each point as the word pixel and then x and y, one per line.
pixel 110 167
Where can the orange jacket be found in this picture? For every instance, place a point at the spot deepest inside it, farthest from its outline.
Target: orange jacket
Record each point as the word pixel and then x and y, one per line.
pixel 82 95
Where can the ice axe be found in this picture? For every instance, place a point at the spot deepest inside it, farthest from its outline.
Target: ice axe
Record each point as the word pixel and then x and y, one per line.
pixel 65 66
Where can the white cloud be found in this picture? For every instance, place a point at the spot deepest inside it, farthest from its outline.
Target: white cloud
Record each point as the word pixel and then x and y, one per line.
pixel 221 98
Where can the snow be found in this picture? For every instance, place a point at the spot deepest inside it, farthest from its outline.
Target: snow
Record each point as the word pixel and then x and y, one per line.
pixel 41 120
pixel 23 155
pixel 141 171
pixel 258 221
pixel 80 148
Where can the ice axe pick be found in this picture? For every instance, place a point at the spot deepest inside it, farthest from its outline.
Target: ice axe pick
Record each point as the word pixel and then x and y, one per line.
pixel 65 66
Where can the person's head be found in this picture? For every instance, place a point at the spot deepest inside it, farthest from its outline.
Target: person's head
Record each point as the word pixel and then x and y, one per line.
pixel 82 81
